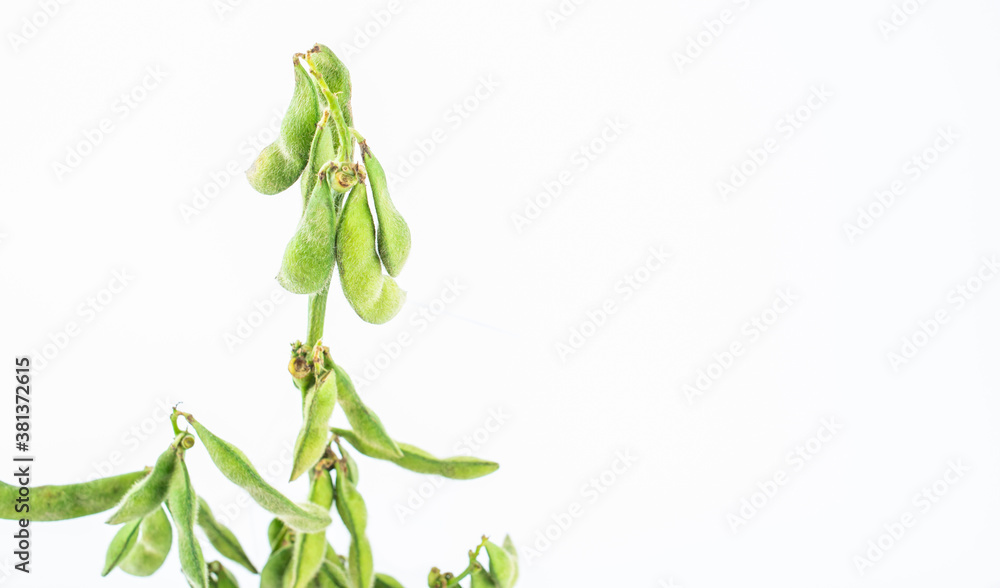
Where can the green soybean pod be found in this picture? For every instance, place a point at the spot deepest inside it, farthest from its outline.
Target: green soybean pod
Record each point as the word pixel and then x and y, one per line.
pixel 183 505
pixel 352 510
pixel 384 581
pixel 235 466
pixel 122 543
pixel 150 551
pixel 322 149
pixel 220 577
pixel 149 493
pixel 335 74
pixel 58 503
pixel 272 576
pixel 393 233
pixel 222 539
pixel 307 266
pixel 309 550
pixel 332 576
pixel 352 466
pixel 277 533
pixel 481 579
pixel 461 467
pixel 508 546
pixel 375 297
pixel 365 423
pixel 503 565
pixel 280 163
pixel 314 435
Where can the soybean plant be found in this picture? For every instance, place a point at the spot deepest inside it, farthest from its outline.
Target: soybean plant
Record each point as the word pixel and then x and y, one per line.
pixel 337 235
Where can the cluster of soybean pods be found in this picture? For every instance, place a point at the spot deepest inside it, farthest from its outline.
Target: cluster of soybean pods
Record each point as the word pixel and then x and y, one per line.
pixel 337 229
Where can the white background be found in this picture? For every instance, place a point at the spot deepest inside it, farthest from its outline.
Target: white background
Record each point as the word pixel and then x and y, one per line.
pixel 667 519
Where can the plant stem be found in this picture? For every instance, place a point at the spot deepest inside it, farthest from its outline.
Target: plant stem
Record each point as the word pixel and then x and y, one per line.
pixel 317 316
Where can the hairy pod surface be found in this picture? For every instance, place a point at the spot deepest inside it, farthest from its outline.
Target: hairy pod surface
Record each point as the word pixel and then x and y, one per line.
pixel 272 576
pixel 277 535
pixel 332 576
pixel 235 466
pixel 503 564
pixel 314 435
pixel 150 492
pixel 152 547
pixel 307 266
pixel 364 422
pixel 58 503
pixel 309 550
pixel 183 505
pixel 384 581
pixel 375 297
pixel 481 578
pixel 354 514
pixel 336 76
pixel 393 234
pixel 462 467
pixel 220 577
pixel 280 163
pixel 122 543
pixel 323 149
pixel 222 539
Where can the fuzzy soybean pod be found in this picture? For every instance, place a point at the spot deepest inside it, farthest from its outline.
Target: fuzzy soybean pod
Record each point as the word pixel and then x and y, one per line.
pixel 461 467
pixel 221 538
pixel 280 163
pixel 322 149
pixel 152 547
pixel 58 503
pixel 332 576
pixel 352 510
pixel 148 494
pixel 220 577
pixel 277 534
pixel 309 549
pixel 183 505
pixel 272 576
pixel 235 466
pixel 384 581
pixel 317 407
pixel 335 74
pixel 481 578
pixel 365 423
pixel 307 265
pixel 393 233
pixel 503 564
pixel 375 297
pixel 122 543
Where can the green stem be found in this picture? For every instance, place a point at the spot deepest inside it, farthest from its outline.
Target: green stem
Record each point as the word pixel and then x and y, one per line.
pixel 317 316
pixel 473 555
